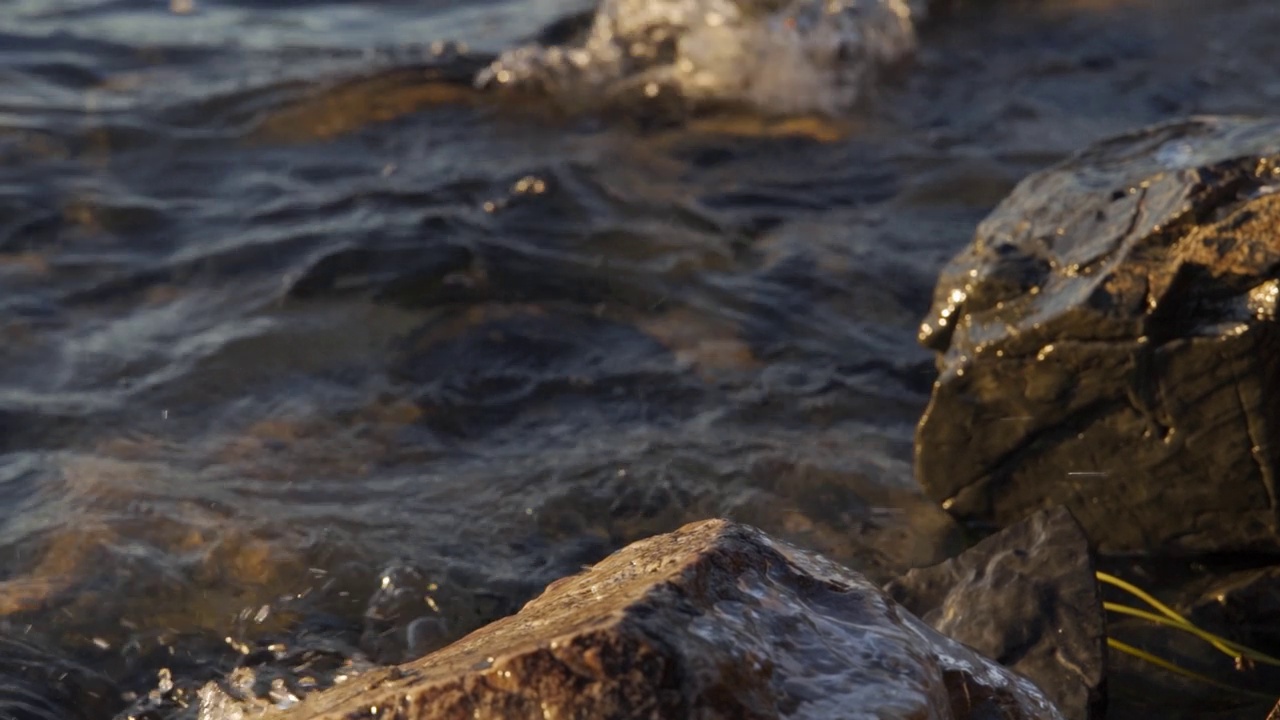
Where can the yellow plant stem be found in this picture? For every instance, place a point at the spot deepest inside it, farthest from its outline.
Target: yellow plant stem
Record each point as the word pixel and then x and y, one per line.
pixel 1179 670
pixel 1172 619
pixel 1174 668
pixel 1227 647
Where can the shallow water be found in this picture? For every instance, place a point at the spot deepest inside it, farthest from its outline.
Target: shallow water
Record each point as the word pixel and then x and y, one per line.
pixel 284 313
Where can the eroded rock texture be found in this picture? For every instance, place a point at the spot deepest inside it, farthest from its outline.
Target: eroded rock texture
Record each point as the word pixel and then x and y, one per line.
pixel 715 620
pixel 1108 342
pixel 1026 597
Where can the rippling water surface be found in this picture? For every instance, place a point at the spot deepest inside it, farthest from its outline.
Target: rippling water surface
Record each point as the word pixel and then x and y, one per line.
pixel 302 340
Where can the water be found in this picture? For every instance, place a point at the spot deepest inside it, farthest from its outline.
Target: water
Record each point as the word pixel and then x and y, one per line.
pixel 285 311
pixel 776 57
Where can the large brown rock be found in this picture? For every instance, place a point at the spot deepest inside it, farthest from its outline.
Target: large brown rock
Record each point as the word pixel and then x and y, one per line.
pixel 715 620
pixel 1108 342
pixel 1026 597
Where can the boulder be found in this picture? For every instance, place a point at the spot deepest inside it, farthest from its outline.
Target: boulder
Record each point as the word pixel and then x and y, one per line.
pixel 1027 598
pixel 1108 342
pixel 715 620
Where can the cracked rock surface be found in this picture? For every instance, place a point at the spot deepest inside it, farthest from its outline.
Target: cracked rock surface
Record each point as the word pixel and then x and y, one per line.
pixel 1108 342
pixel 715 620
pixel 1027 598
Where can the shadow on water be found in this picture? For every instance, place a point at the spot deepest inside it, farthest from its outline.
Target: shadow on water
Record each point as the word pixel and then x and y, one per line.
pixel 289 323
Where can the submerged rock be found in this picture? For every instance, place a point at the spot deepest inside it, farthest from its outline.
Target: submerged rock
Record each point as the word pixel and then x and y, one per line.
pixel 779 56
pixel 715 620
pixel 1026 597
pixel 1108 342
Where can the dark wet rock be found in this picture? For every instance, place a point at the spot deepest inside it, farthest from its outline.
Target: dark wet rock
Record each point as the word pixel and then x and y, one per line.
pixel 1226 598
pixel 1026 597
pixel 1243 599
pixel 713 620
pixel 1108 342
pixel 402 619
pixel 1243 606
pixel 36 684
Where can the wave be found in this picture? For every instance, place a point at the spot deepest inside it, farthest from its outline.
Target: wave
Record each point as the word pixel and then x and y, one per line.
pixel 774 56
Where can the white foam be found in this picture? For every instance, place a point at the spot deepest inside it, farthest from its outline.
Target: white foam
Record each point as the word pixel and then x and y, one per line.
pixel 779 56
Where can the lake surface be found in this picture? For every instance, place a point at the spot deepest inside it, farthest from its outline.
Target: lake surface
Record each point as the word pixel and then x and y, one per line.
pixel 288 322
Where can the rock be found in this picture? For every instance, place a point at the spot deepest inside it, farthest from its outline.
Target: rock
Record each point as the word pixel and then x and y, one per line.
pixel 1238 604
pixel 715 620
pixel 402 620
pixel 1244 607
pixel 1026 597
pixel 1247 601
pixel 788 57
pixel 1108 342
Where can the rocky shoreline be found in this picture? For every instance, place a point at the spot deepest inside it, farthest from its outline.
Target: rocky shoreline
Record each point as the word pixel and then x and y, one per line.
pixel 1106 349
pixel 320 356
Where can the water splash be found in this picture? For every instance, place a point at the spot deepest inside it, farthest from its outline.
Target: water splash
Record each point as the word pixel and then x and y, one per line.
pixel 776 56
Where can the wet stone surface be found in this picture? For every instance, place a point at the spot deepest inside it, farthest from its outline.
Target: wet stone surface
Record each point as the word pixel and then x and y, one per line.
pixel 1109 342
pixel 240 242
pixel 715 620
pixel 1026 597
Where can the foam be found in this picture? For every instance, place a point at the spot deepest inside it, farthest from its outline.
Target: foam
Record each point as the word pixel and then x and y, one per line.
pixel 777 56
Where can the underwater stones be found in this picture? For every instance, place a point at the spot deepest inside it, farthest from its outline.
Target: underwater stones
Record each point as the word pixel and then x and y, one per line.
pixel 1108 342
pixel 402 619
pixel 715 620
pixel 1026 597
pixel 777 56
